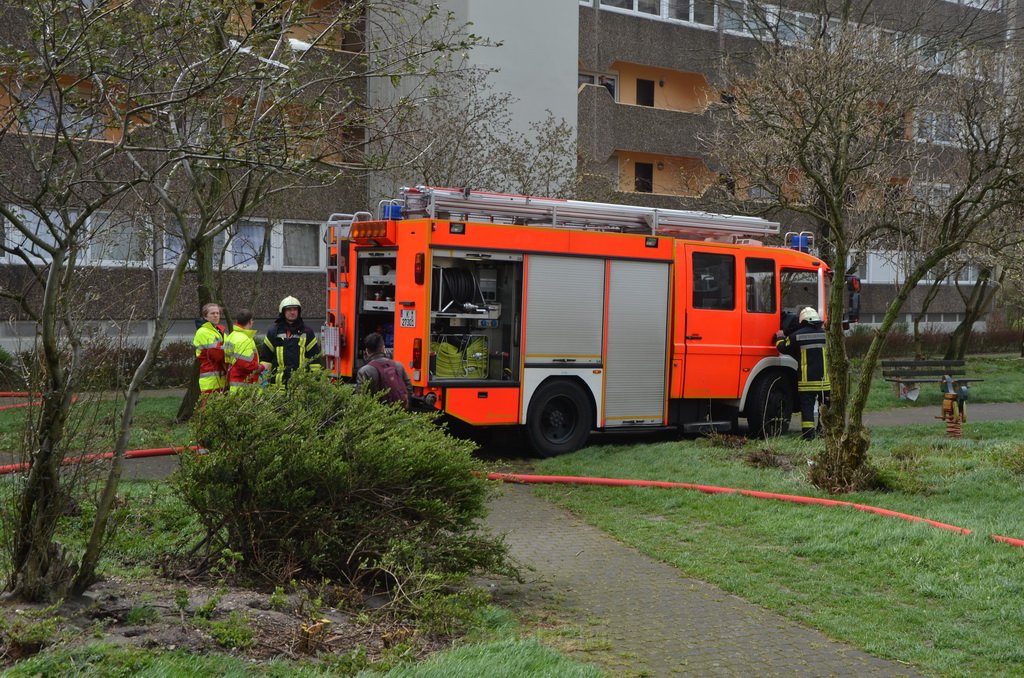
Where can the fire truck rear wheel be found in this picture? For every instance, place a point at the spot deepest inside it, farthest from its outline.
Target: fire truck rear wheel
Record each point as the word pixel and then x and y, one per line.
pixel 770 406
pixel 559 418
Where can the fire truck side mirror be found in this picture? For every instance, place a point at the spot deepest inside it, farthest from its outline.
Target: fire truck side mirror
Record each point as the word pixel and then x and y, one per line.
pixel 853 306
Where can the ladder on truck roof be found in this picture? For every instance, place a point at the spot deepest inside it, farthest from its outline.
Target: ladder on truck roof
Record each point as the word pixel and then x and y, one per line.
pixel 434 203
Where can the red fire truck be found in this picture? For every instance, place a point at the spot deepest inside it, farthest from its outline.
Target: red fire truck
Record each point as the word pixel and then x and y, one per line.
pixel 563 316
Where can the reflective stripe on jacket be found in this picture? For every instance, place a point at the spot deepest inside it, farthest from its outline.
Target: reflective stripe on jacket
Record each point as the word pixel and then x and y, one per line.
pixel 807 346
pixel 209 345
pixel 242 359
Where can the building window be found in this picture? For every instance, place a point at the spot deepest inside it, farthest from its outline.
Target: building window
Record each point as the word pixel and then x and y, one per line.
pixel 734 18
pixel 301 244
pixel 643 180
pixel 797 27
pixel 641 6
pixel 585 79
pixel 937 128
pixel 932 196
pixel 644 92
pixel 41 231
pixel 119 238
pixel 692 11
pixel 46 115
pixel 245 243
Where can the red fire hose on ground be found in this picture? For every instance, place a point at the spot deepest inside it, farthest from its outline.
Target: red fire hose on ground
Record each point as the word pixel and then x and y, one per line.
pixel 578 480
pixel 711 489
pixel 18 394
pixel 130 454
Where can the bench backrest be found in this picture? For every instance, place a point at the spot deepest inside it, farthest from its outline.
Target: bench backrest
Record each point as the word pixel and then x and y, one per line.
pixel 922 368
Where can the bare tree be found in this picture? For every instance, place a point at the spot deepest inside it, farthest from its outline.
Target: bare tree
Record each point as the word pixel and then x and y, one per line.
pixel 194 114
pixel 977 299
pixel 463 137
pixel 1010 297
pixel 910 138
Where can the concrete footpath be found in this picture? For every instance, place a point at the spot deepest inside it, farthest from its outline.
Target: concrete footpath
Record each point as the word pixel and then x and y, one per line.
pixel 652 620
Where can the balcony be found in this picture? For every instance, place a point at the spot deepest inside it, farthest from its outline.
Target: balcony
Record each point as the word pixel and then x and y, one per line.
pixel 605 126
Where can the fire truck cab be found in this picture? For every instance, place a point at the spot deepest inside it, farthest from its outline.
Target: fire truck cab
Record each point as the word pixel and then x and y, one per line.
pixel 564 317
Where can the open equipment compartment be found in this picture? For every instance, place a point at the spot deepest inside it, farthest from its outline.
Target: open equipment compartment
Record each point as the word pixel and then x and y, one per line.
pixel 475 309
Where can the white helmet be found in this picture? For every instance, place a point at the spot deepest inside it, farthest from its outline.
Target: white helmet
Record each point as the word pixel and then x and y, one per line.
pixel 809 315
pixel 288 301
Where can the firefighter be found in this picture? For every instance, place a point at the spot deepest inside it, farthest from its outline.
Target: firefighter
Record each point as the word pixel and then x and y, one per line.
pixel 807 345
pixel 209 345
pixel 289 345
pixel 240 355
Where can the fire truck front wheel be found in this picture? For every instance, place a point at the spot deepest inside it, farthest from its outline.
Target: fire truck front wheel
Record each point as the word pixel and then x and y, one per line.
pixel 770 406
pixel 559 418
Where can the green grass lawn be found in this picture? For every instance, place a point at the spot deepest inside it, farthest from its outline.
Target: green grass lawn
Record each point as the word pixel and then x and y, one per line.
pixel 941 601
pixel 945 602
pixel 93 424
pixel 508 658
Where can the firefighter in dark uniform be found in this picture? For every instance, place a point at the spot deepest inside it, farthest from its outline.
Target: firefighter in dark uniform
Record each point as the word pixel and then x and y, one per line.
pixel 289 345
pixel 806 344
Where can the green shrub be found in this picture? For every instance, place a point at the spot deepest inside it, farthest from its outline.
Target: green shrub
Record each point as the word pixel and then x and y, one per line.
pixel 28 633
pixel 232 632
pixel 319 481
pixel 11 378
pixel 142 614
pixel 107 366
pixel 173 366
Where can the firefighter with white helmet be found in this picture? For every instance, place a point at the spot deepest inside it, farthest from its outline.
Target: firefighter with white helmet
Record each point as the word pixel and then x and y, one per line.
pixel 290 344
pixel 806 344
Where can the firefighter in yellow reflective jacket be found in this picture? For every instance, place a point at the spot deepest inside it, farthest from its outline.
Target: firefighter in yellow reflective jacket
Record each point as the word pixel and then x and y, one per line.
pixel 209 345
pixel 807 345
pixel 289 345
pixel 240 354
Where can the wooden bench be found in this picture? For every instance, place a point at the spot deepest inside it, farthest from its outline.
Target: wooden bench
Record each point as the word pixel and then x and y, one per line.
pixel 950 375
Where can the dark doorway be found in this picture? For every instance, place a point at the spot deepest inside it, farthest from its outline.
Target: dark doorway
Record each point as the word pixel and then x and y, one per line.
pixel 644 181
pixel 644 92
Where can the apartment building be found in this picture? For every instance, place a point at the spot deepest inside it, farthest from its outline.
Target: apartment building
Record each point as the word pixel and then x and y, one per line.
pixel 646 93
pixel 637 77
pixel 128 253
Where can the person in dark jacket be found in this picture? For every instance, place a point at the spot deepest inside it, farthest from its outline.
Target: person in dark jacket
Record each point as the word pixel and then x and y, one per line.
pixel 289 345
pixel 380 373
pixel 806 344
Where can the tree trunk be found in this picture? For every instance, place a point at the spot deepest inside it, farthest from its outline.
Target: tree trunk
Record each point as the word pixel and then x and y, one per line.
pixel 204 283
pixel 979 299
pixel 843 465
pixel 98 536
pixel 926 303
pixel 40 570
pixel 191 397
